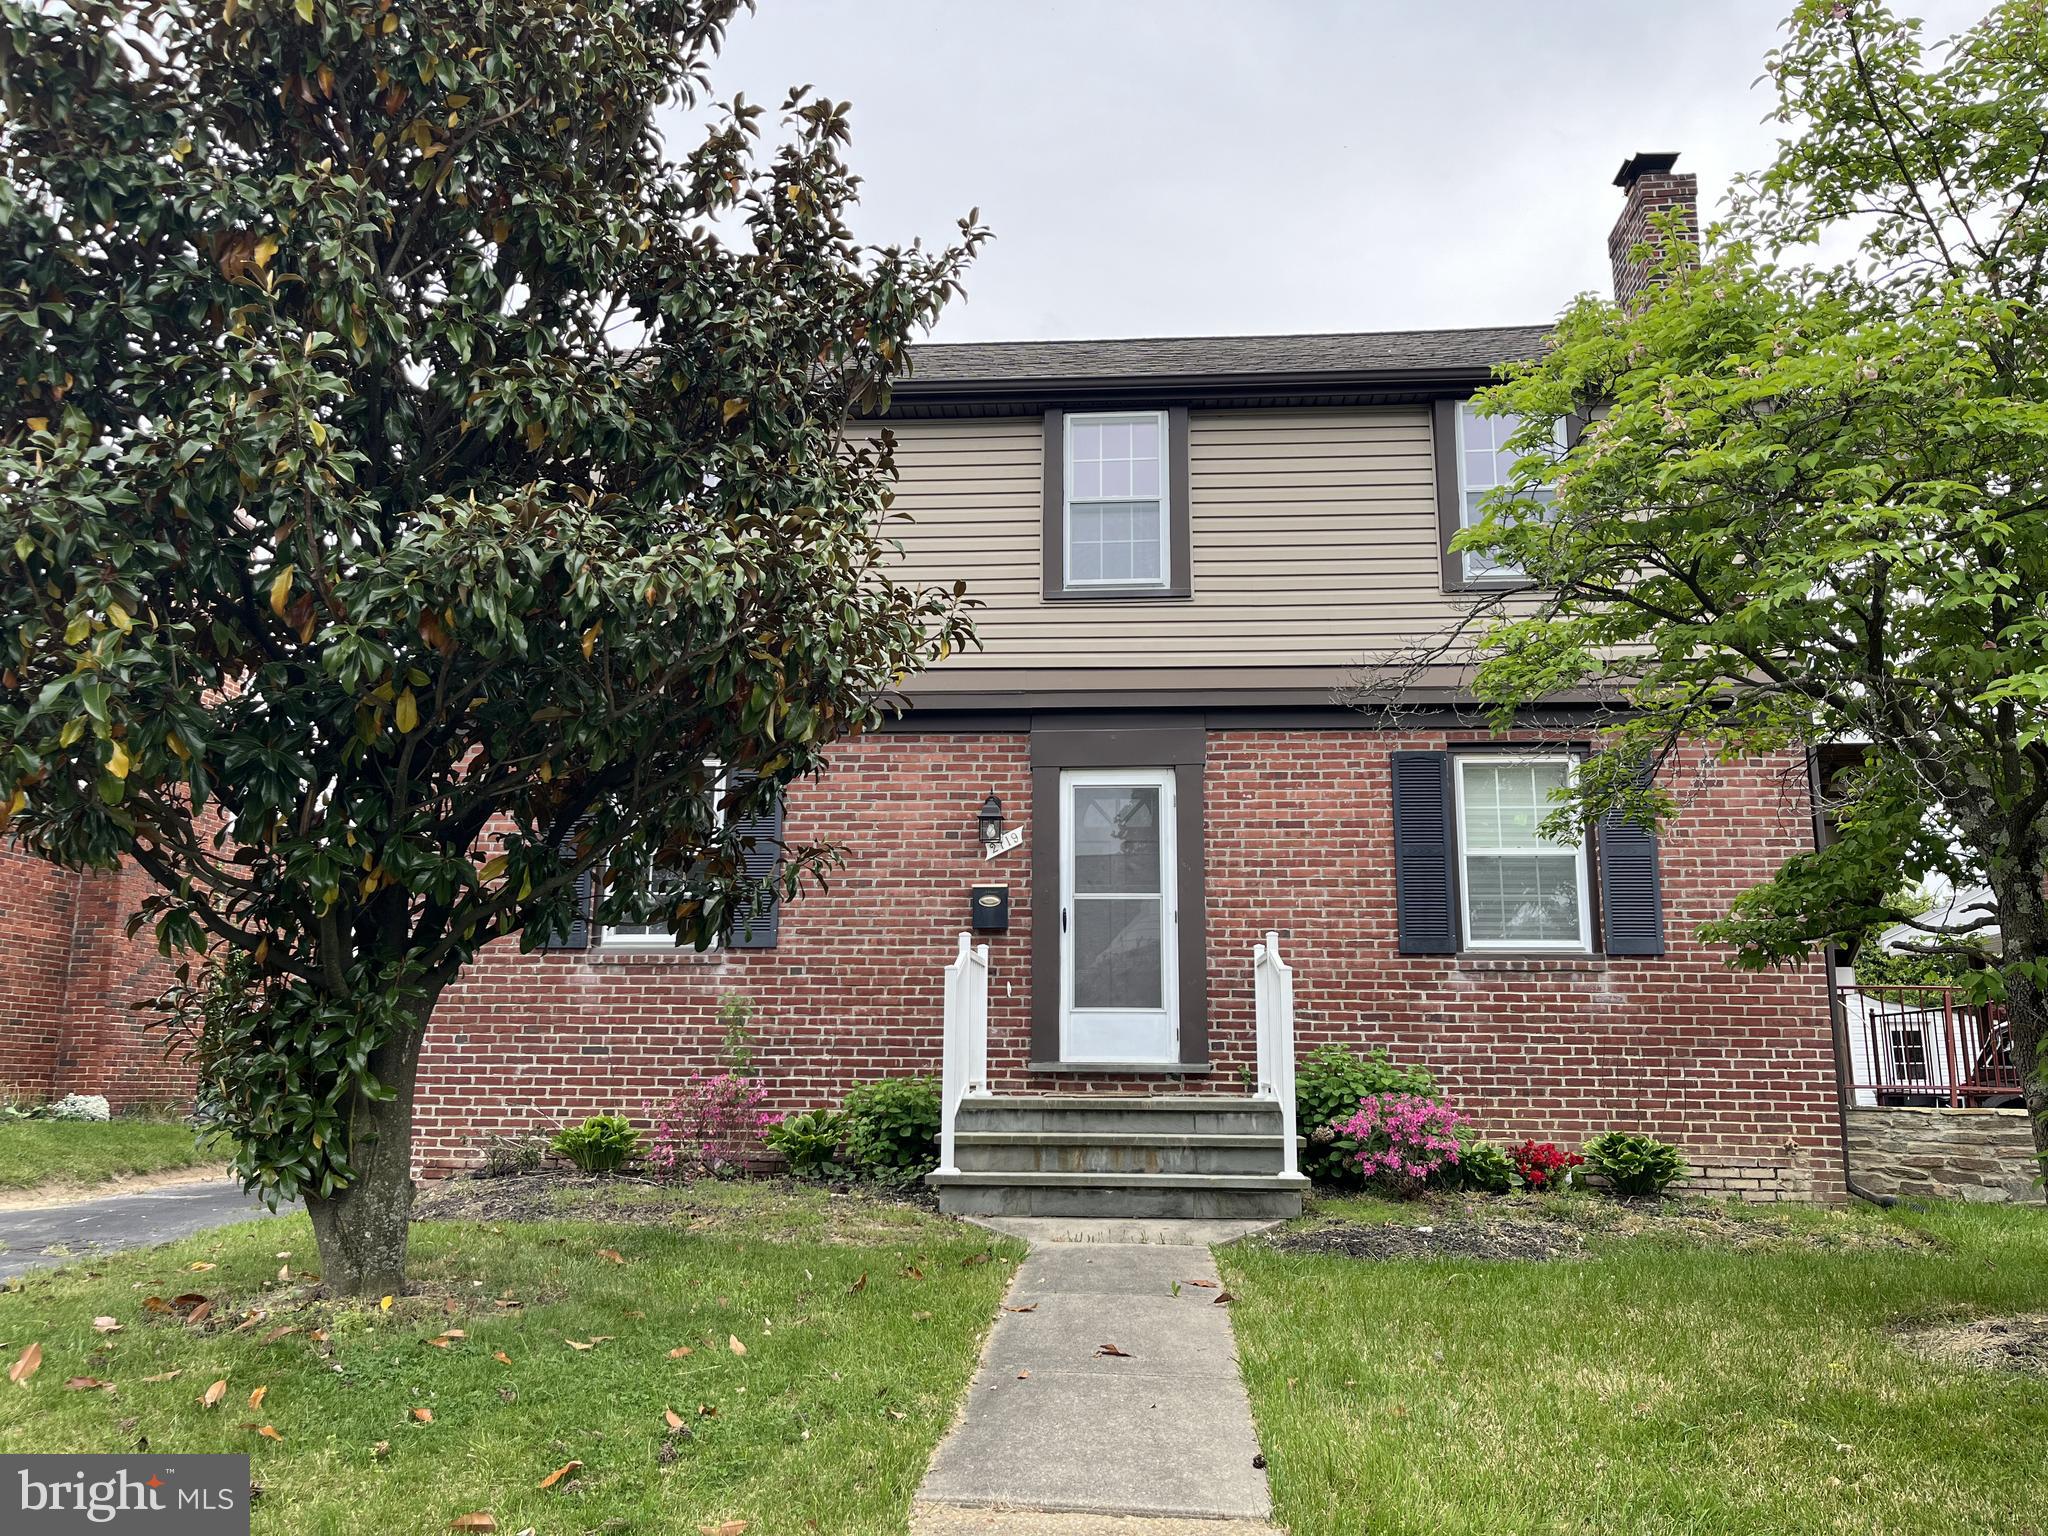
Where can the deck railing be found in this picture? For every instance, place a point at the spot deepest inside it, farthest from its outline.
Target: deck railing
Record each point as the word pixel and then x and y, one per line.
pixel 1912 1045
pixel 1273 1011
pixel 964 1060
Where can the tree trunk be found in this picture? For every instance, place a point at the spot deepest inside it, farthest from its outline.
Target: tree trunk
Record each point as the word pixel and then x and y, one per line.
pixel 361 1230
pixel 2023 944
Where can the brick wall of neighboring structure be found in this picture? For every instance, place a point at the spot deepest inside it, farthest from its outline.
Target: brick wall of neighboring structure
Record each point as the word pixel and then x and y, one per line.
pixel 1649 195
pixel 37 904
pixel 1736 1068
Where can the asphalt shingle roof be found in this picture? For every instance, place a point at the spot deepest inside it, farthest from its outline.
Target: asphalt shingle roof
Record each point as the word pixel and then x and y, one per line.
pixel 1182 356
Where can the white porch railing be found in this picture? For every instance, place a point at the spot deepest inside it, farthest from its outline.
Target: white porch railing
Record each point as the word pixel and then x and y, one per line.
pixel 1273 1008
pixel 965 1058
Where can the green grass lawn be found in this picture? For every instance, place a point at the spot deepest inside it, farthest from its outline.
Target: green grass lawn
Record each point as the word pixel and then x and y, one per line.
pixel 1662 1383
pixel 859 1323
pixel 39 1153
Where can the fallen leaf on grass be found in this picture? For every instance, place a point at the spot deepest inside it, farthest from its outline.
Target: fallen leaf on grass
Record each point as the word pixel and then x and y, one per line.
pixel 88 1384
pixel 481 1520
pixel 859 1285
pixel 912 1272
pixel 671 1418
pixel 212 1395
pixel 155 1304
pixel 381 1449
pixel 725 1528
pixel 613 1254
pixel 256 1397
pixel 732 1342
pixel 30 1362
pixel 1112 1350
pixel 423 1415
pixel 201 1267
pixel 975 1258
pixel 105 1325
pixel 199 1314
pixel 188 1299
pixel 166 1375
pixel 384 1305
pixel 277 1333
pixel 680 1351
pixel 707 1410
pixel 1223 1299
pixel 501 1357
pixel 564 1470
pixel 269 1432
pixel 318 1335
pixel 441 1343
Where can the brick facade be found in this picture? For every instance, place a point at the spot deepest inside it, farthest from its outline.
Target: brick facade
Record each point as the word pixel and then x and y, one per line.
pixel 1737 1068
pixel 1650 192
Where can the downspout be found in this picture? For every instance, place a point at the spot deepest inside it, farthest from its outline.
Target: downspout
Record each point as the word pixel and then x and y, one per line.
pixel 1838 1022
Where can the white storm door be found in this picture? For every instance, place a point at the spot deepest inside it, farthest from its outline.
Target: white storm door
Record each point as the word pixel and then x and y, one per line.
pixel 1118 947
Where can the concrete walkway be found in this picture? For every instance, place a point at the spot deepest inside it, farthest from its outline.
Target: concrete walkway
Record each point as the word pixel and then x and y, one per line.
pixel 36 1237
pixel 1060 1437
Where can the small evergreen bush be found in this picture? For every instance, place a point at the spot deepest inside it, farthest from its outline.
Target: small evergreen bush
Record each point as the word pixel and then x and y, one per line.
pixel 1328 1086
pixel 1485 1169
pixel 812 1143
pixel 892 1126
pixel 1634 1165
pixel 601 1144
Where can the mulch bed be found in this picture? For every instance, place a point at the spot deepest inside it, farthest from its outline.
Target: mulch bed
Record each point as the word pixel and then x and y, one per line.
pixel 2016 1343
pixel 1524 1240
pixel 563 1195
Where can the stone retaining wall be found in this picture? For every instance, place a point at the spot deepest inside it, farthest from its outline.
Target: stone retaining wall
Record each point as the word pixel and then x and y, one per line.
pixel 1944 1154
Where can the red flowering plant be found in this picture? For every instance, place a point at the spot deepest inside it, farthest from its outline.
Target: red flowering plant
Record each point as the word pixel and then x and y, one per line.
pixel 1543 1165
pixel 1402 1140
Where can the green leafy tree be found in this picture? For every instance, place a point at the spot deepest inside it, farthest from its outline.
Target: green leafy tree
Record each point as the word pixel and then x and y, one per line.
pixel 414 478
pixel 1809 503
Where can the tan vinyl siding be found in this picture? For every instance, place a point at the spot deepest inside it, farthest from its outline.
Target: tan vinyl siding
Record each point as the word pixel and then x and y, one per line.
pixel 1313 531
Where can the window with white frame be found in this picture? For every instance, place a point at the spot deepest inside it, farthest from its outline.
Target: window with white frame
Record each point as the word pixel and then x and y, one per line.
pixel 1116 500
pixel 1485 462
pixel 1518 889
pixel 663 886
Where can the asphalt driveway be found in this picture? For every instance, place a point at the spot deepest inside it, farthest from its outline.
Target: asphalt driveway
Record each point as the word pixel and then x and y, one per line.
pixel 36 1237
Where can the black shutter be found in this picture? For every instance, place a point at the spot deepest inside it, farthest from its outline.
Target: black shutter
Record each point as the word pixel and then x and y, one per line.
pixel 758 925
pixel 578 936
pixel 1631 900
pixel 1425 856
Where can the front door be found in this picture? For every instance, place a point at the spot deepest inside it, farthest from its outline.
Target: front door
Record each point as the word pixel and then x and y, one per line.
pixel 1117 917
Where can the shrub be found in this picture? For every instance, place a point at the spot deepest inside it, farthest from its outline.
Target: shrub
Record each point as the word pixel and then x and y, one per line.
pixel 79 1106
pixel 714 1124
pixel 812 1143
pixel 1484 1168
pixel 601 1144
pixel 1402 1140
pixel 1328 1085
pixel 1633 1164
pixel 1543 1165
pixel 892 1125
pixel 505 1156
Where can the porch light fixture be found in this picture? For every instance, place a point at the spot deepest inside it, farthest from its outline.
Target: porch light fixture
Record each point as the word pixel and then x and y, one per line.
pixel 990 820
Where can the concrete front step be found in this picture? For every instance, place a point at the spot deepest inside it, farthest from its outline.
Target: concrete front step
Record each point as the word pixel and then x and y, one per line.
pixel 1178 1196
pixel 1190 1115
pixel 1116 1152
pixel 1161 1157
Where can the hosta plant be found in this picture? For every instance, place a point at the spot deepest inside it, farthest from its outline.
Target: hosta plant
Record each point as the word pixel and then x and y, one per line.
pixel 601 1144
pixel 1635 1165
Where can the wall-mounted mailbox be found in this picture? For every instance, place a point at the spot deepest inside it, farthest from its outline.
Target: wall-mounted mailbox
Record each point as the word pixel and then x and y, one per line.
pixel 991 909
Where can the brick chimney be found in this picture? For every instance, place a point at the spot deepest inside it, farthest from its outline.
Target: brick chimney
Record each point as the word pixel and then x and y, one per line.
pixel 1652 187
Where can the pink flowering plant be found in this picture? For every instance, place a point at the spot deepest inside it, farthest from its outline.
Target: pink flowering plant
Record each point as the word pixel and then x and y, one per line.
pixel 1402 1140
pixel 713 1125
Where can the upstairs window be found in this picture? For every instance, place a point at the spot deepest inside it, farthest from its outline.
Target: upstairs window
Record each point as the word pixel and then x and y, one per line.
pixel 1116 515
pixel 1473 460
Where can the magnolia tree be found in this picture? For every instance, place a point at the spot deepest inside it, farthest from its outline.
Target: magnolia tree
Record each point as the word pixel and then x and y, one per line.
pixel 415 481
pixel 1785 504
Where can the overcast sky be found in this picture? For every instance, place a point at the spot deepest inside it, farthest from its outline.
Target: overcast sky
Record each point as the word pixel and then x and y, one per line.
pixel 1190 167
